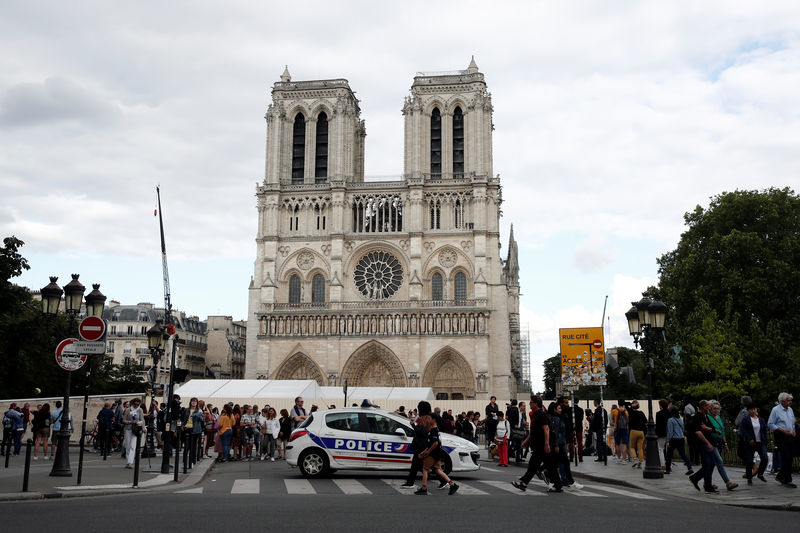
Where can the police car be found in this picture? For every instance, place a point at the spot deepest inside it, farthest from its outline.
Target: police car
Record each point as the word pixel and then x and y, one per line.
pixel 365 439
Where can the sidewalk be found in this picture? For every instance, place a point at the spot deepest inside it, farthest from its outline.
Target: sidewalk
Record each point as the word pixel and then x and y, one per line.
pixel 98 478
pixel 760 495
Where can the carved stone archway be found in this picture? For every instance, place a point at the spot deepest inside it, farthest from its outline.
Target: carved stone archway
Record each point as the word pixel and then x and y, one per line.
pixel 300 366
pixel 448 371
pixel 374 365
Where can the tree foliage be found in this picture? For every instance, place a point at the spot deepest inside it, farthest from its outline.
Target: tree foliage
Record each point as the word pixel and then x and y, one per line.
pixel 733 292
pixel 28 341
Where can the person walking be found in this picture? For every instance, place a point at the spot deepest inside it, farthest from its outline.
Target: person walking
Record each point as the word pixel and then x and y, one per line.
pixel 781 423
pixel 133 425
pixel 432 457
pixel 418 445
pixel 558 444
pixel 638 425
pixel 753 433
pixel 720 442
pixel 675 441
pixel 539 440
pixel 105 421
pixel 701 428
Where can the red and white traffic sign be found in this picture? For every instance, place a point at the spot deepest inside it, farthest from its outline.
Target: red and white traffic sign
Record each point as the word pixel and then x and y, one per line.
pixel 597 343
pixel 66 356
pixel 92 328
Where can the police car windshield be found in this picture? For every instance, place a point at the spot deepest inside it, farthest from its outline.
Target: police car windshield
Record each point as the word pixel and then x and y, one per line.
pixel 306 422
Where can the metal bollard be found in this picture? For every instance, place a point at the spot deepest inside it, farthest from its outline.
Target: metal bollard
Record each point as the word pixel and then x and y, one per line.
pixel 27 474
pixel 8 449
pixel 136 463
pixel 177 440
pixel 106 442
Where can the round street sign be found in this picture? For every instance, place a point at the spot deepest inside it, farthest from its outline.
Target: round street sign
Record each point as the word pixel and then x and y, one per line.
pixel 597 343
pixel 66 356
pixel 92 328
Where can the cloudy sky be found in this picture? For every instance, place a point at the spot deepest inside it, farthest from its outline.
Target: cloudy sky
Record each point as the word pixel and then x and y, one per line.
pixel 612 119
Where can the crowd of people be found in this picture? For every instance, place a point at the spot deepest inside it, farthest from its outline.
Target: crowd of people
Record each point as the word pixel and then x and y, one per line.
pixel 553 437
pixel 44 424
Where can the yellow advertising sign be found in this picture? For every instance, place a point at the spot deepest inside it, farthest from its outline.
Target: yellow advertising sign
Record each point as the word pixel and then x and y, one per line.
pixel 582 356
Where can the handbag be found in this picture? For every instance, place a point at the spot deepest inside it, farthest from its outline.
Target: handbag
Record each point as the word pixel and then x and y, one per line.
pixel 517 434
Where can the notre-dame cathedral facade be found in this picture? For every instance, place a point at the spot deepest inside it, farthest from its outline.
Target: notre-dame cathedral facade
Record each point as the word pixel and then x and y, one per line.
pixel 384 283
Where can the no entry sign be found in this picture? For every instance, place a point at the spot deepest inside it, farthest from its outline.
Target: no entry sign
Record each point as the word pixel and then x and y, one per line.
pixel 66 356
pixel 92 328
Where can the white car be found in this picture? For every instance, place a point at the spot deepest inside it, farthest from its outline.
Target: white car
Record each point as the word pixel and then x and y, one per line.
pixel 365 438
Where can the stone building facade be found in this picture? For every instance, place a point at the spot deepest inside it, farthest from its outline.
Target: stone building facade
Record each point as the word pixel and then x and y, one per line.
pixel 384 283
pixel 226 338
pixel 126 339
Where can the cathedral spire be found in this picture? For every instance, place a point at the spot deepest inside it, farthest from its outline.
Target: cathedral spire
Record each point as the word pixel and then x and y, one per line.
pixel 512 262
pixel 473 66
pixel 286 77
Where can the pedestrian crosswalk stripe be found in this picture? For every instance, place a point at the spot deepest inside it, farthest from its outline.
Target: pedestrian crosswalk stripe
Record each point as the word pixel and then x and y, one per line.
pixel 508 487
pixel 351 486
pixel 622 492
pixel 196 490
pixel 579 492
pixel 489 469
pixel 299 486
pixel 468 490
pixel 246 486
pixel 395 484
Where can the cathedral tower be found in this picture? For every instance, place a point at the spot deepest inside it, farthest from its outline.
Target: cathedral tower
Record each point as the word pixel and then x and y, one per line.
pixel 390 283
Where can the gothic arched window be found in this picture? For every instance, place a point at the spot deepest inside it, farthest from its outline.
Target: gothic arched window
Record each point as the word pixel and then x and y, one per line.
pixel 298 148
pixel 321 163
pixel 458 143
pixel 294 289
pixel 436 143
pixel 318 289
pixel 461 286
pixel 437 292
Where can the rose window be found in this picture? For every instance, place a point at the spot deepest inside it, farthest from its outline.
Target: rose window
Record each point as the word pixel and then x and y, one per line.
pixel 378 275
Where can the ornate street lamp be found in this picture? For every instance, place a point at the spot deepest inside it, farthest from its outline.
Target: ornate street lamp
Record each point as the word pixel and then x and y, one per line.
pixel 644 316
pixel 73 296
pixel 51 297
pixel 95 302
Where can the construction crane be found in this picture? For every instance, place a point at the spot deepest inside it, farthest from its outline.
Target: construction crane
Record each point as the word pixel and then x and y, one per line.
pixel 169 325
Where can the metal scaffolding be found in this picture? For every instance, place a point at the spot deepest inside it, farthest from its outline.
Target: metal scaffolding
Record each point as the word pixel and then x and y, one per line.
pixel 525 353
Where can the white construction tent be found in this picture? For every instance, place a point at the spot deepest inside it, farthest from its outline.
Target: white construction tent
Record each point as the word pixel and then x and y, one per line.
pixel 281 393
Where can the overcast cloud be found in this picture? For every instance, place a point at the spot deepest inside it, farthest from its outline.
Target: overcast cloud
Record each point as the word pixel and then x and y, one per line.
pixel 612 119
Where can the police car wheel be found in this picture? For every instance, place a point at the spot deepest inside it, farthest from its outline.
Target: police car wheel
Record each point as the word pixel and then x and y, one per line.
pixel 447 465
pixel 313 463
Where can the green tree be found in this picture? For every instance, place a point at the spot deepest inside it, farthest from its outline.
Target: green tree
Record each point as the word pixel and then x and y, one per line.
pixel 552 374
pixel 28 340
pixel 731 285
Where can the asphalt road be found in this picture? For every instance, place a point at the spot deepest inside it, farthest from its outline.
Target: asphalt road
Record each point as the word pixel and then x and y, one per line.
pixel 253 496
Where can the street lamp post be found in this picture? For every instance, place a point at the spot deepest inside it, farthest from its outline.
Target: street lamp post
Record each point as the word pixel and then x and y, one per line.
pixel 51 299
pixel 95 302
pixel 648 315
pixel 156 340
